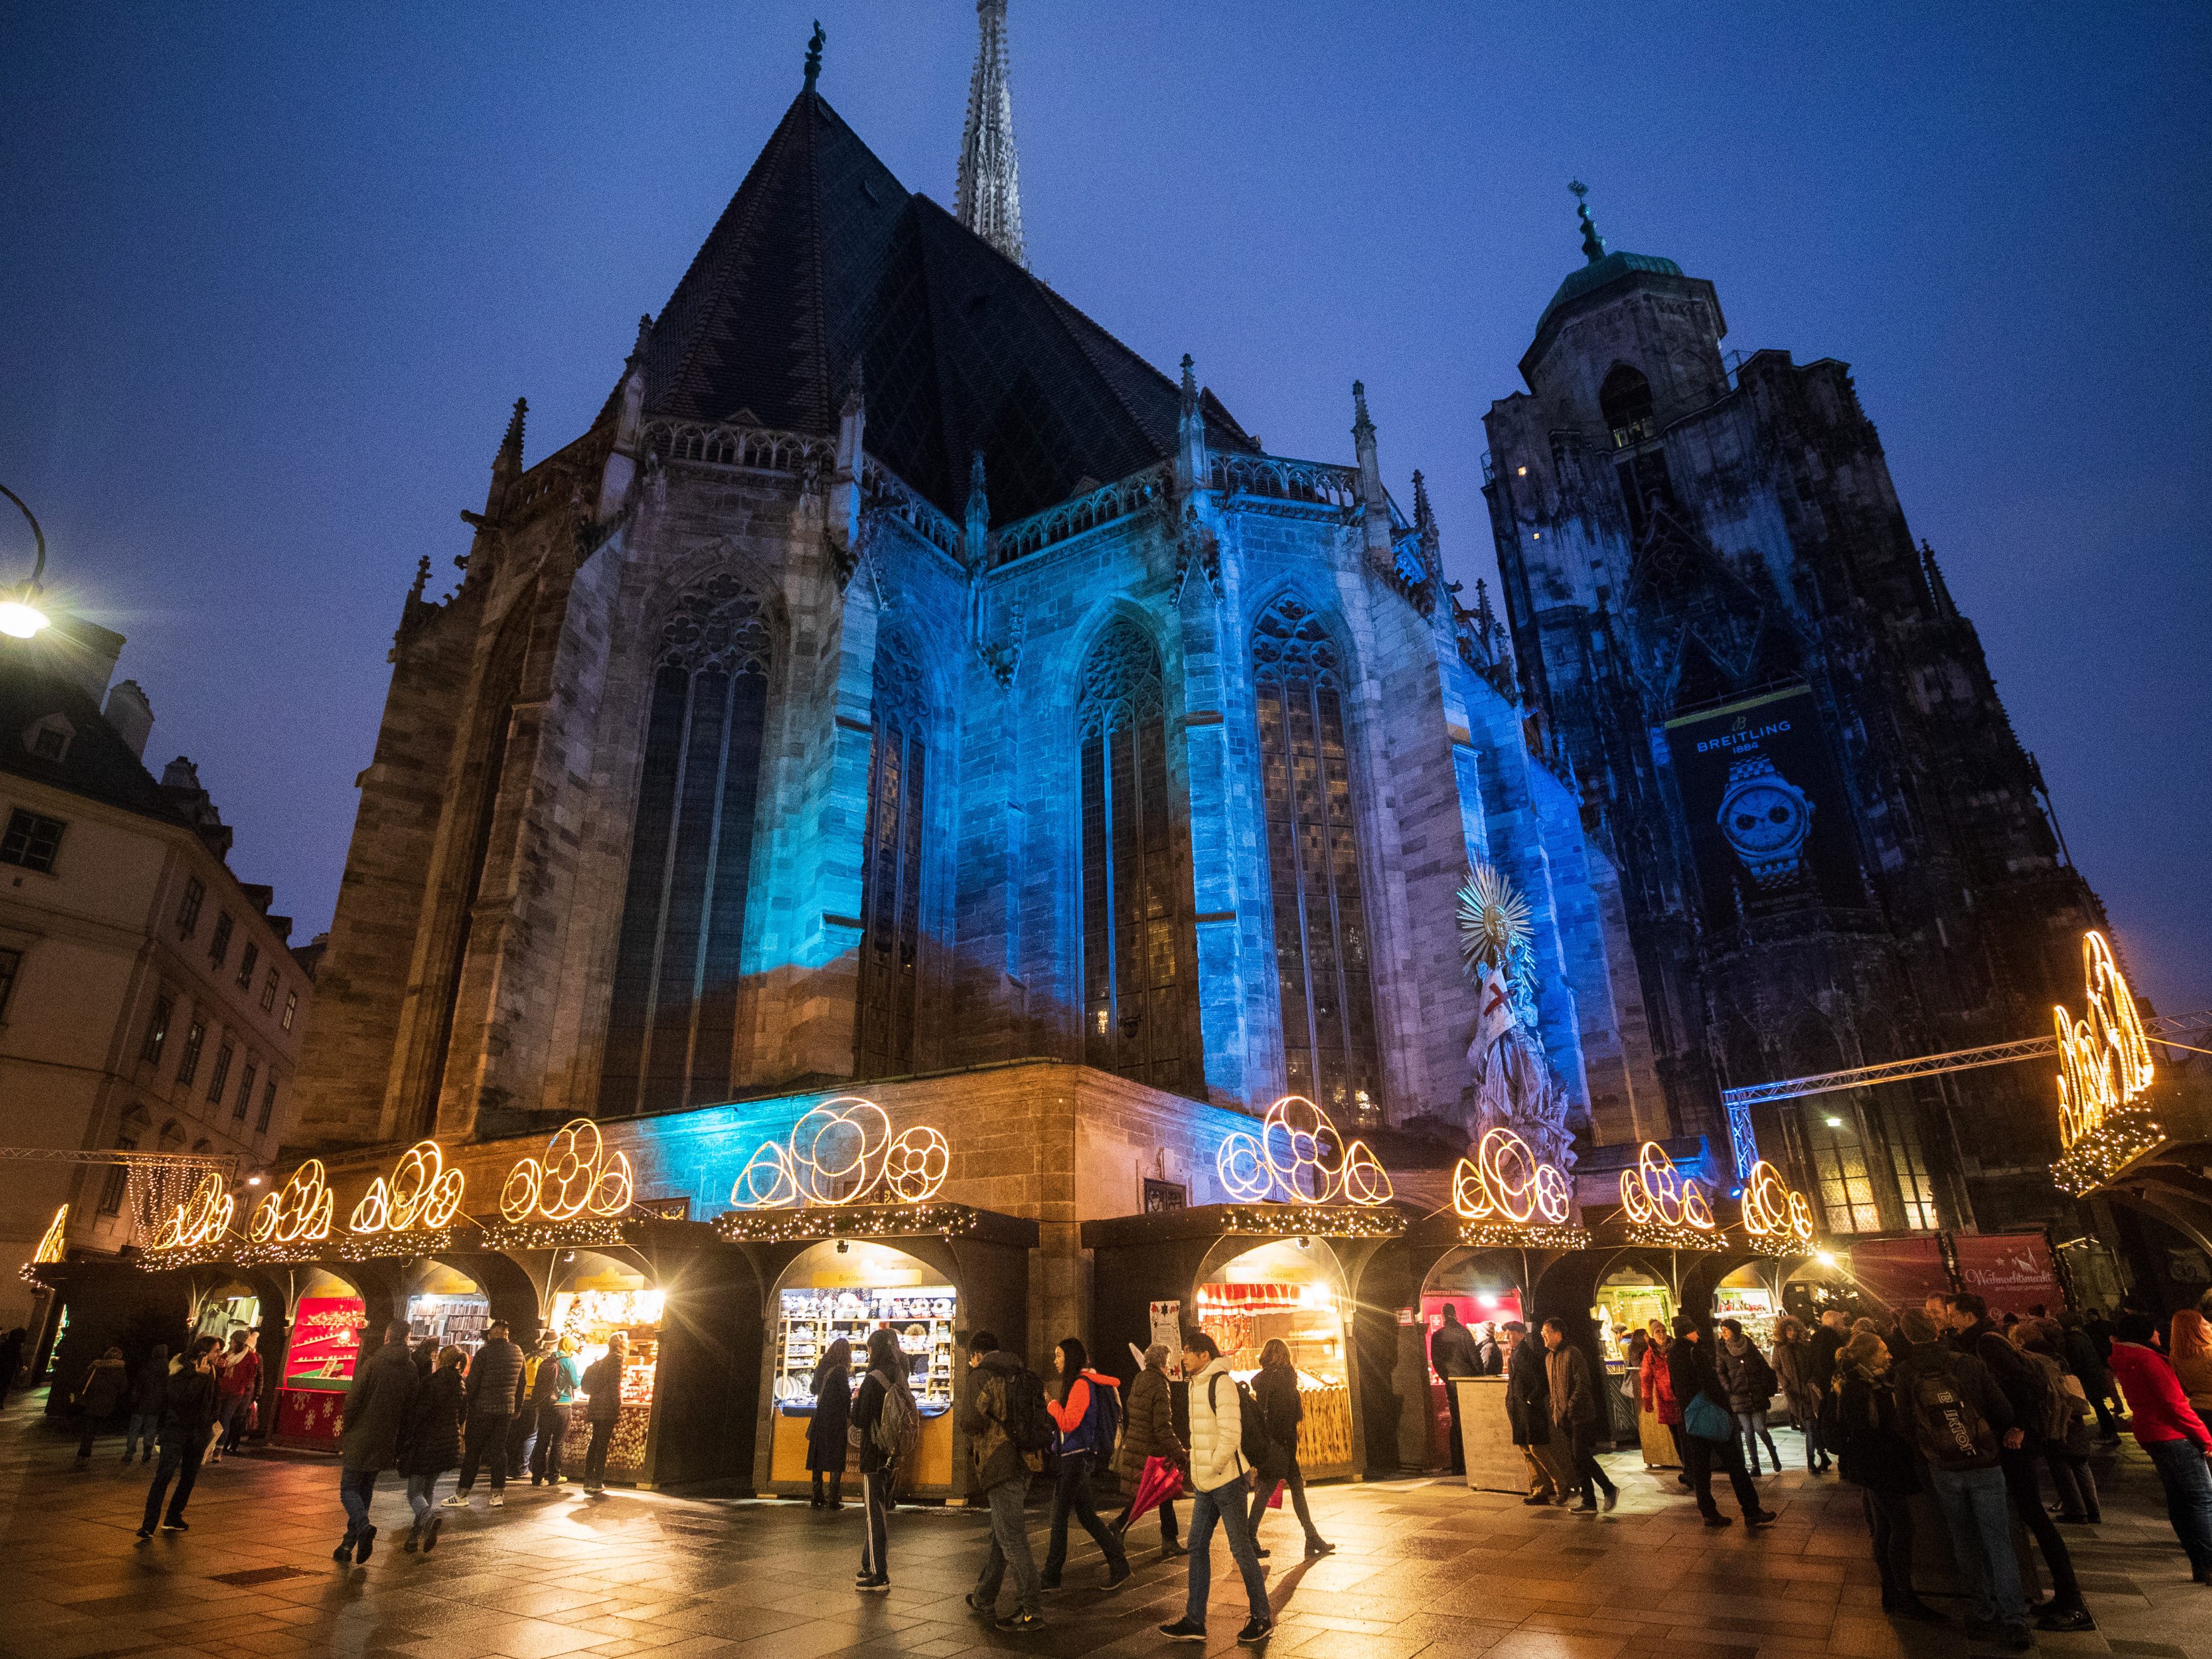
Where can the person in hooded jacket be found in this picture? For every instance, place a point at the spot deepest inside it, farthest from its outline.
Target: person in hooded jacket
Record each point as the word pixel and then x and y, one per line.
pixel 1750 1382
pixel 1084 1417
pixel 827 1446
pixel 432 1443
pixel 147 1388
pixel 1691 1370
pixel 1148 1432
pixel 1002 1472
pixel 1275 1389
pixel 376 1414
pixel 187 1418
pixel 1219 1471
pixel 98 1398
pixel 1875 1456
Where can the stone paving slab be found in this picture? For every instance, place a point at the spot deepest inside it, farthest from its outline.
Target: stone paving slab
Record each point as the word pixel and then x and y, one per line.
pixel 1422 1567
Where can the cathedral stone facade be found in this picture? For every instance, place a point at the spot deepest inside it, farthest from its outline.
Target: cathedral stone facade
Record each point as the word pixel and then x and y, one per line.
pixel 1832 849
pixel 899 676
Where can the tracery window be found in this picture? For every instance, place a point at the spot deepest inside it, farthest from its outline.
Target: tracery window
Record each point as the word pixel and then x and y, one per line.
pixel 1839 1170
pixel 1915 1187
pixel 890 908
pixel 672 1026
pixel 1140 943
pixel 1313 860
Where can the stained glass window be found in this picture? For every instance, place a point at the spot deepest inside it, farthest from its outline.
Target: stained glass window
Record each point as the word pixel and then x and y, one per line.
pixel 891 908
pixel 1139 944
pixel 1313 860
pixel 1839 1170
pixel 673 1027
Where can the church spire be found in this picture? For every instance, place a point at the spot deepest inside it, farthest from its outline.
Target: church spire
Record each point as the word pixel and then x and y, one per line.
pixel 1592 244
pixel 988 193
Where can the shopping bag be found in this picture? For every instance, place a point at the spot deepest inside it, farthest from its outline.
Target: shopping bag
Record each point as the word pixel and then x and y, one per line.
pixel 1708 1421
pixel 1275 1496
pixel 1159 1481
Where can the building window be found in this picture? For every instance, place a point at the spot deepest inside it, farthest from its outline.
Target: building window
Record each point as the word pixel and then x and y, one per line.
pixel 219 946
pixel 890 905
pixel 1839 1171
pixel 30 840
pixel 221 1075
pixel 268 1106
pixel 672 1027
pixel 1139 944
pixel 1915 1187
pixel 188 1063
pixel 157 1031
pixel 1625 401
pixel 291 1007
pixel 1313 861
pixel 269 994
pixel 49 742
pixel 118 1179
pixel 11 963
pixel 247 963
pixel 245 1092
pixel 188 910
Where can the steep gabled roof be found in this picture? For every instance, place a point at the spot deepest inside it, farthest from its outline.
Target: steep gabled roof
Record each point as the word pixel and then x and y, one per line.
pixel 822 260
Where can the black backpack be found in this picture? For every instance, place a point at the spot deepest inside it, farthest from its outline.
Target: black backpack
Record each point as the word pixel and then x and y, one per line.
pixel 1948 1427
pixel 1253 1444
pixel 1028 1424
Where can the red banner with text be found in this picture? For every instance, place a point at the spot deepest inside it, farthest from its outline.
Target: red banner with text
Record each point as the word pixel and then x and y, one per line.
pixel 2012 1271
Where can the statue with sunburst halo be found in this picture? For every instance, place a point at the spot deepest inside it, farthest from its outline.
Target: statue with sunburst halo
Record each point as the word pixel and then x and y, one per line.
pixel 1514 1085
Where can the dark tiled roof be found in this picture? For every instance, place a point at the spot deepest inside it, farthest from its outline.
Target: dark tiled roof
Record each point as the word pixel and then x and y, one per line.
pixel 98 763
pixel 823 259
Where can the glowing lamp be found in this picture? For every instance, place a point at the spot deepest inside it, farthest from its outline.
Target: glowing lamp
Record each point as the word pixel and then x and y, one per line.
pixel 19 619
pixel 1825 1258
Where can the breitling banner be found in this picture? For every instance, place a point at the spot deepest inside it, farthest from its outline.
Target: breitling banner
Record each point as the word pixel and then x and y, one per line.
pixel 1767 815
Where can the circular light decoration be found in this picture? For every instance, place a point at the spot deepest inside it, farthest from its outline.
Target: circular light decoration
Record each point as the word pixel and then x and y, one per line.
pixel 1654 1191
pixel 577 1177
pixel 421 1192
pixel 2104 1059
pixel 1298 1157
pixel 301 1209
pixel 1507 1183
pixel 1771 1211
pixel 840 1152
pixel 200 1219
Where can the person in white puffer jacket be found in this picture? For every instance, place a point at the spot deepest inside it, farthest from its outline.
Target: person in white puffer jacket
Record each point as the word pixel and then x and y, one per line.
pixel 1222 1477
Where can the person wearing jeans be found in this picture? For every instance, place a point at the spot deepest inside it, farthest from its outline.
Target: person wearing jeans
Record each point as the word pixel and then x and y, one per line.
pixel 1083 1417
pixel 1977 1509
pixel 187 1418
pixel 377 1406
pixel 1575 1414
pixel 2169 1428
pixel 147 1390
pixel 433 1444
pixel 1002 1472
pixel 494 1395
pixel 1219 1471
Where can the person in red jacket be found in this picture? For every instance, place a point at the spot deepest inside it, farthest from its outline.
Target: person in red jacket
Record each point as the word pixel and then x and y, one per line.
pixel 1086 1414
pixel 237 1385
pixel 2172 1432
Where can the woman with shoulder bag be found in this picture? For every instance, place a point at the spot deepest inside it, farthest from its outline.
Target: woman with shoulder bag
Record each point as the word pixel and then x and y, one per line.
pixel 1276 1388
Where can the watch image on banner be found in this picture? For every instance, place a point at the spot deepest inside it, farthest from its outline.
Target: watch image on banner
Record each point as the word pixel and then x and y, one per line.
pixel 1768 814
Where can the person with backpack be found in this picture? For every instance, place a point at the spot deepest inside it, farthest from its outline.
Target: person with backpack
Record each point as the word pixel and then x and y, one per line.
pixel 1575 1415
pixel 1276 1391
pixel 886 1427
pixel 1008 1431
pixel 2066 1429
pixel 828 1433
pixel 1709 1429
pixel 1956 1416
pixel 1148 1432
pixel 1227 1444
pixel 2169 1428
pixel 97 1398
pixel 2035 1412
pixel 1751 1385
pixel 1873 1455
pixel 1086 1418
pixel 552 1396
pixel 522 1432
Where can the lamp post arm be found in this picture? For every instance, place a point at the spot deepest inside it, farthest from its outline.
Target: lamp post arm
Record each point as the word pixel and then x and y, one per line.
pixel 38 569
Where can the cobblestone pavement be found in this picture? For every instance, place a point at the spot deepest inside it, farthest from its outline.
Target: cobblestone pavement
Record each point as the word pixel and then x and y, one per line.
pixel 1422 1567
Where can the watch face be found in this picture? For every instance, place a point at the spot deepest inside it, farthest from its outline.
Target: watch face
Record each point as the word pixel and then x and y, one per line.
pixel 1762 820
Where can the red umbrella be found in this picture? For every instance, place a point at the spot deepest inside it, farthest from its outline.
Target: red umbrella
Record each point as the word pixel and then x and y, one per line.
pixel 1160 1480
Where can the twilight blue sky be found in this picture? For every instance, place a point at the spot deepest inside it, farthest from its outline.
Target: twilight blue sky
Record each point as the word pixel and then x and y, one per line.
pixel 273 276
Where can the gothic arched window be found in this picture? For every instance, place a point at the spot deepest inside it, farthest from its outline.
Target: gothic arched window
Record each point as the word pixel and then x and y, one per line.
pixel 890 906
pixel 1313 863
pixel 1624 401
pixel 673 1025
pixel 1139 944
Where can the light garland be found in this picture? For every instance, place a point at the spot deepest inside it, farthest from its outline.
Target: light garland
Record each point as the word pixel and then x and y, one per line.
pixel 200 1219
pixel 1506 1183
pixel 298 1212
pixel 1772 1213
pixel 788 1226
pixel 1492 1235
pixel 2104 1059
pixel 422 1193
pixel 1294 1144
pixel 844 1144
pixel 1299 1221
pixel 578 1233
pixel 576 1177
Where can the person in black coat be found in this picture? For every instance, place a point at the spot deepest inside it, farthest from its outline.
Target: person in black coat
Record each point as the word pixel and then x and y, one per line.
pixel 1452 1354
pixel 187 1419
pixel 147 1389
pixel 494 1391
pixel 826 1447
pixel 1690 1372
pixel 432 1443
pixel 1875 1456
pixel 1276 1388
pixel 1529 1411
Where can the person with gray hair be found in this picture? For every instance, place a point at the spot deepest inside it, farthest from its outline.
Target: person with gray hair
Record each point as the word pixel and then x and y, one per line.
pixel 1148 1432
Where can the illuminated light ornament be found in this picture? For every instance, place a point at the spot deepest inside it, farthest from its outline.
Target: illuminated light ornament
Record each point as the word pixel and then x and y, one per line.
pixel 577 1177
pixel 1667 1208
pixel 2103 1070
pixel 55 1244
pixel 200 1219
pixel 299 1210
pixel 1292 1151
pixel 1772 1212
pixel 840 1153
pixel 1506 1183
pixel 421 1192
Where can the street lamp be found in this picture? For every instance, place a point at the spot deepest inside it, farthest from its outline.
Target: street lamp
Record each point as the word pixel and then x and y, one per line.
pixel 19 616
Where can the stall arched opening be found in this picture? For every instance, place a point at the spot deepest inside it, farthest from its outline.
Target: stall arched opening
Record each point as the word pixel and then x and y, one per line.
pixel 324 1339
pixel 1293 1289
pixel 593 1296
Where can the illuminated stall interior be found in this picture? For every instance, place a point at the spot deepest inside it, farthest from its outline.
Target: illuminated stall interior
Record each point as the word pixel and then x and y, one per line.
pixel 1745 1296
pixel 319 1351
pixel 231 1308
pixel 1628 1298
pixel 1482 1294
pixel 847 1288
pixel 599 1296
pixel 1289 1289
pixel 448 1307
